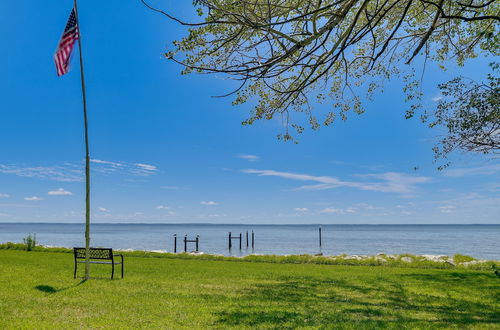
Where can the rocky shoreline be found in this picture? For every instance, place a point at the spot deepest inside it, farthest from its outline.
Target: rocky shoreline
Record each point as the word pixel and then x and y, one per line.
pixel 461 260
pixel 379 259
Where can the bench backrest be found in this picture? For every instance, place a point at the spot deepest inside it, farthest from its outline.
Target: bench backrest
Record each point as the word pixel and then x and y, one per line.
pixel 95 253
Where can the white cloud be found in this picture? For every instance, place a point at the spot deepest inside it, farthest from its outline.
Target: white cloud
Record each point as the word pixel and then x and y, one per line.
pixel 60 192
pixel 107 162
pixel 388 182
pixel 394 182
pixel 4 195
pixel 4 215
pixel 482 170
pixel 163 207
pixel 146 169
pixel 107 167
pixel 338 211
pixel 103 209
pixel 368 207
pixel 137 169
pixel 437 98
pixel 300 209
pixel 468 205
pixel 250 158
pixel 169 187
pixel 63 173
pixel 33 198
pixel 118 167
pixel 74 172
pixel 447 208
pixel 332 210
pixel 209 203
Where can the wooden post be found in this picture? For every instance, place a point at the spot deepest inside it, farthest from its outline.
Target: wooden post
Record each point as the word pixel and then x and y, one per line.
pixel 247 237
pixel 253 237
pixel 240 240
pixel 230 244
pixel 197 240
pixel 319 236
pixel 175 243
pixel 185 243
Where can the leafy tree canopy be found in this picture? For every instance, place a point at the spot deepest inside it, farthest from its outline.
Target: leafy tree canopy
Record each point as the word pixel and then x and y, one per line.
pixel 469 112
pixel 289 54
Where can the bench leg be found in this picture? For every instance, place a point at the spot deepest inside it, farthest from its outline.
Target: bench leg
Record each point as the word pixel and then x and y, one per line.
pixel 112 269
pixel 122 267
pixel 74 275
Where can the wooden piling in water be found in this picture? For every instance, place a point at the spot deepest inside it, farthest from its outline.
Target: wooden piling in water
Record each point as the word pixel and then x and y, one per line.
pixel 319 236
pixel 196 241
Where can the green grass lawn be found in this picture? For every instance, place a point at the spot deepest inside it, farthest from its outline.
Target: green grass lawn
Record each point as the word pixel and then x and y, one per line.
pixel 37 290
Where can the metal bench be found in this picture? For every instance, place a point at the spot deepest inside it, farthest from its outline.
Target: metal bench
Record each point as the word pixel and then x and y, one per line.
pixel 97 255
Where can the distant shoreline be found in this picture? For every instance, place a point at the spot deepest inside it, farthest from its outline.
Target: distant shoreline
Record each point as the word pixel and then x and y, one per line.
pixel 255 224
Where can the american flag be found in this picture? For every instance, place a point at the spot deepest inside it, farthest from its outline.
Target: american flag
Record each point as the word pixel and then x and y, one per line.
pixel 66 44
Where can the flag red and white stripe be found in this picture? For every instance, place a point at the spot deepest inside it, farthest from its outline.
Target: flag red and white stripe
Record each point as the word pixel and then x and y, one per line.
pixel 66 44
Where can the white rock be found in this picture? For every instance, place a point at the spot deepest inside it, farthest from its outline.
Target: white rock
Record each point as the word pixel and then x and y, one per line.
pixel 159 251
pixel 473 262
pixel 53 246
pixel 356 257
pixel 436 258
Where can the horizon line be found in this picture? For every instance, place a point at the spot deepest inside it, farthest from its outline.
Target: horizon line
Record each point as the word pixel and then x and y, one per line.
pixel 257 224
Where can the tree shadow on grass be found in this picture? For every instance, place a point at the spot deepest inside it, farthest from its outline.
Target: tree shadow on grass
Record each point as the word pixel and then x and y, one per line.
pixel 466 278
pixel 256 318
pixel 366 302
pixel 51 289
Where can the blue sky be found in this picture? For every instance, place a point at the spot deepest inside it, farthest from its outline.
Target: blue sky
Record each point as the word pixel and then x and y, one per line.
pixel 165 151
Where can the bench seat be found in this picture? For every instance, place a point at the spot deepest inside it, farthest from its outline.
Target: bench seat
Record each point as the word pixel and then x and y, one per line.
pixel 97 256
pixel 100 262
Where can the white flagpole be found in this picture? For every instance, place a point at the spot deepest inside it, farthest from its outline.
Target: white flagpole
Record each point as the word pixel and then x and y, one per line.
pixel 87 157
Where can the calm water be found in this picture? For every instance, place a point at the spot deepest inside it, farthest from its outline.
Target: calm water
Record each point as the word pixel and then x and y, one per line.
pixel 480 241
